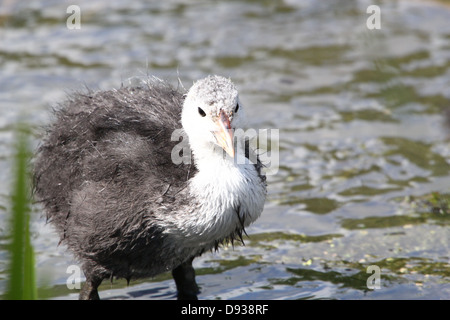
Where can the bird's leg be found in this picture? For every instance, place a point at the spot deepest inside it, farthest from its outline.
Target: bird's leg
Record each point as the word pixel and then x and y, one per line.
pixel 184 276
pixel 89 290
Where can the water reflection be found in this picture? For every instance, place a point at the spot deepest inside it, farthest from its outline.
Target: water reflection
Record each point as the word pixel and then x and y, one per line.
pixel 363 149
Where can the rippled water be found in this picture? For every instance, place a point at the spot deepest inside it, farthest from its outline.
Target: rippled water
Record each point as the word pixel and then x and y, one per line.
pixel 363 148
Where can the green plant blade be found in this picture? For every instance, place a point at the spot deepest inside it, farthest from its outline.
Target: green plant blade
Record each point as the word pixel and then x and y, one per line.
pixel 22 280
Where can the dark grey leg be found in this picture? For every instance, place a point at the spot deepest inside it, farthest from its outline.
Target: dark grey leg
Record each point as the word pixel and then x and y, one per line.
pixel 89 290
pixel 184 276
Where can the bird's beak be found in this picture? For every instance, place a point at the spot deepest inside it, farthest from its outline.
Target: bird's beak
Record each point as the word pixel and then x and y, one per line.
pixel 224 135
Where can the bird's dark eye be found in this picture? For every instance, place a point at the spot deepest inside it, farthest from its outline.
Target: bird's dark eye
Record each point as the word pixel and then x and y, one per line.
pixel 201 112
pixel 237 108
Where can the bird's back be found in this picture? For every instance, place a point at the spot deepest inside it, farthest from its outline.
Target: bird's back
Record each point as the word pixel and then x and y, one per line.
pixel 105 164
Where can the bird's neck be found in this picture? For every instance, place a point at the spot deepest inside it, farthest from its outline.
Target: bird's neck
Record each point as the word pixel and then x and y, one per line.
pixel 229 195
pixel 217 166
pixel 209 156
pixel 224 182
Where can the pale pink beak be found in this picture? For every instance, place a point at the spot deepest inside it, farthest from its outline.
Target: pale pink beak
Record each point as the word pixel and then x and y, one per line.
pixel 225 134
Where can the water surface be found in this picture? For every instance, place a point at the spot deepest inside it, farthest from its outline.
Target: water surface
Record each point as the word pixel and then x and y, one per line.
pixel 363 148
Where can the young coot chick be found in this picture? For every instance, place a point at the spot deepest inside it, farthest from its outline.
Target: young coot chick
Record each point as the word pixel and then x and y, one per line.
pixel 106 178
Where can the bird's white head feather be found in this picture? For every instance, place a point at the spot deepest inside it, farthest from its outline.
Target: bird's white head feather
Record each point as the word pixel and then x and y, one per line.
pixel 203 105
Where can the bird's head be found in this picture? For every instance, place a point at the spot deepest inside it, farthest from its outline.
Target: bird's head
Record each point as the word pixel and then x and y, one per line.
pixel 211 113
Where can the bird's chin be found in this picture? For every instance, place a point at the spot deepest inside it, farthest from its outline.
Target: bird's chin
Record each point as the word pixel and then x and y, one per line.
pixel 226 152
pixel 229 149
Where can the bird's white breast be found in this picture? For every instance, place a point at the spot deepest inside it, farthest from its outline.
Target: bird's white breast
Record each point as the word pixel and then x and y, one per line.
pixel 223 190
